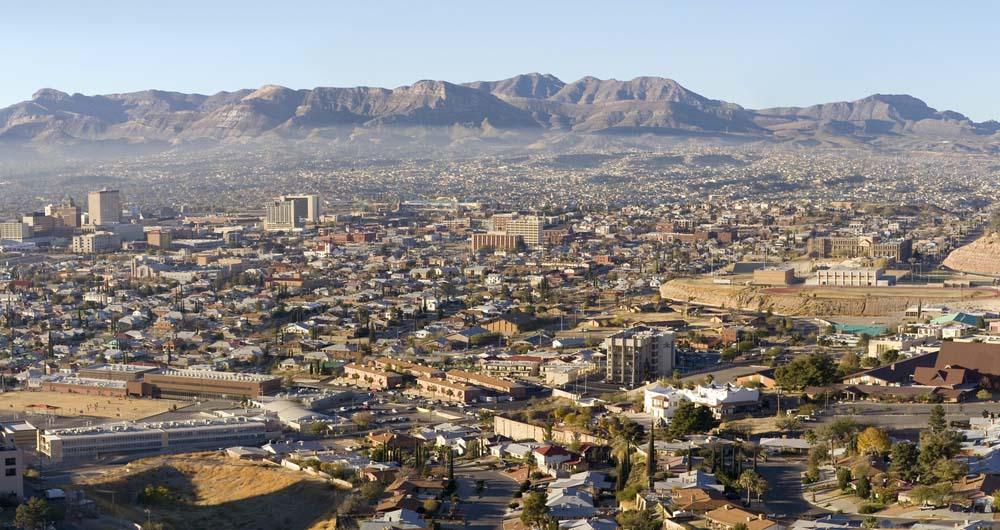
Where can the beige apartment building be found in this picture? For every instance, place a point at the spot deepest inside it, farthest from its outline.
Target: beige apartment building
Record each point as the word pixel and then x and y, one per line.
pixel 378 379
pixel 96 243
pixel 447 390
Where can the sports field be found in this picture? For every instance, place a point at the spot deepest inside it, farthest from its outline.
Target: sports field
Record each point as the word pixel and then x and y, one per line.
pixel 59 404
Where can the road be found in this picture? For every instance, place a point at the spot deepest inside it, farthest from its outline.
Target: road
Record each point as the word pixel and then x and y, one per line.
pixel 486 511
pixel 784 495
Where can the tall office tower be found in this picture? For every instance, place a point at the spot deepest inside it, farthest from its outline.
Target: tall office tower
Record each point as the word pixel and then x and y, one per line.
pixel 66 214
pixel 307 207
pixel 104 207
pixel 638 354
pixel 281 215
pixel 529 227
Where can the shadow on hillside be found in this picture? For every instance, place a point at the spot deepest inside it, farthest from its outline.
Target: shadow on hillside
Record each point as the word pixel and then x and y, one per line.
pixel 295 507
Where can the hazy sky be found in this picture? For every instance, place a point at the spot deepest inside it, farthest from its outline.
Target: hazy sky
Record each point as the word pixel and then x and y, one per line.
pixel 755 53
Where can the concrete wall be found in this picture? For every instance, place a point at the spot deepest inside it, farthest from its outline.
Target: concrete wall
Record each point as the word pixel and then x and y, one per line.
pixel 517 430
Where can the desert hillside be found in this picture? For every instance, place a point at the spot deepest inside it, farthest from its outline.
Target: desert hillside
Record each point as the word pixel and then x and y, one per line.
pixel 982 256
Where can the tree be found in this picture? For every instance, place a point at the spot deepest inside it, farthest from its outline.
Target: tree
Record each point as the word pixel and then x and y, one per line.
pixel 32 514
pixel 535 513
pixel 904 461
pixel 864 487
pixel 651 456
pixel 984 395
pixel 933 495
pixel 690 418
pixel 873 441
pixel 839 432
pixel 850 363
pixel 788 423
pixel 844 478
pixel 937 423
pixel 934 447
pixel 817 369
pixel 751 481
pixel 638 520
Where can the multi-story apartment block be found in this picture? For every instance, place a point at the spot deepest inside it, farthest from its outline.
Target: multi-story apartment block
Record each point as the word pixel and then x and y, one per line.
pixel 638 354
pixel 96 243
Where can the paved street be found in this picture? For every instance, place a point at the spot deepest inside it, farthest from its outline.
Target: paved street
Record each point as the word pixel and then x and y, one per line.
pixel 482 512
pixel 784 496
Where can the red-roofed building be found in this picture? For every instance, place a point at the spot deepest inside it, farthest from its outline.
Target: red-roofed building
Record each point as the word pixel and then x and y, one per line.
pixel 552 457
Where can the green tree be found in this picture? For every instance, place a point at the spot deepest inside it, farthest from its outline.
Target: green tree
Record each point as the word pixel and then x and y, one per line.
pixel 904 461
pixel 844 478
pixel 864 487
pixel 33 514
pixel 817 369
pixel 932 495
pixel 638 520
pixel 934 448
pixel 535 513
pixel 937 423
pixel 690 418
pixel 753 483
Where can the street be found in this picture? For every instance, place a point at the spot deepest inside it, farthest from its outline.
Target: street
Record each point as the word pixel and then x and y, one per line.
pixel 784 495
pixel 486 511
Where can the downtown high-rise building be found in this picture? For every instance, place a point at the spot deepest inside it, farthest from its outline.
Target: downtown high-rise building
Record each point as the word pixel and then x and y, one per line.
pixel 280 215
pixel 307 207
pixel 104 207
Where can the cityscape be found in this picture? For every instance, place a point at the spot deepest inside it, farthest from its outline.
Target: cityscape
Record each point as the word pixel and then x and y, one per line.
pixel 520 304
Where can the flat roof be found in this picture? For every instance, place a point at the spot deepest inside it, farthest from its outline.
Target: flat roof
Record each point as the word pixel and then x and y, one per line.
pixel 119 367
pixel 214 375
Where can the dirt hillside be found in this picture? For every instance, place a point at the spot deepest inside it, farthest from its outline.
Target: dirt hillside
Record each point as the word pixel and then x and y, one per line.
pixel 982 256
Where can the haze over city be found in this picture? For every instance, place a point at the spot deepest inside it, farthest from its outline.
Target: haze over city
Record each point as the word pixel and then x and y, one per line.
pixel 520 266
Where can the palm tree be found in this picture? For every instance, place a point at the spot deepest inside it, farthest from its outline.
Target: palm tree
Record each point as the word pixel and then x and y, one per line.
pixel 751 481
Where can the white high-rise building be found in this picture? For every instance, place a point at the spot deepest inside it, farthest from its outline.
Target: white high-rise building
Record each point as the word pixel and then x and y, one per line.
pixel 307 207
pixel 281 215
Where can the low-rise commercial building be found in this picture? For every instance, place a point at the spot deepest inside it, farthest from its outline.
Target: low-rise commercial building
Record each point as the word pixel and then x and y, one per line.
pixel 127 437
pixel 852 277
pixel 207 383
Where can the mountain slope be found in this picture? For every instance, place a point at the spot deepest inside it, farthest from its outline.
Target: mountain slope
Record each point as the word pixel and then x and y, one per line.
pixel 538 102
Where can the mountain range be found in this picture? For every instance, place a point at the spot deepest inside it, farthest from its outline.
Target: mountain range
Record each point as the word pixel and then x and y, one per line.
pixel 530 102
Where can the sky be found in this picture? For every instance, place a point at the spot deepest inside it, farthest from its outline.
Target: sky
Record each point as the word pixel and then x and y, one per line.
pixel 757 53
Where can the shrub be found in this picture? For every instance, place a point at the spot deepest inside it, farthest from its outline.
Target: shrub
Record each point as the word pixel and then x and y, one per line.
pixel 868 508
